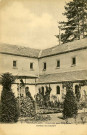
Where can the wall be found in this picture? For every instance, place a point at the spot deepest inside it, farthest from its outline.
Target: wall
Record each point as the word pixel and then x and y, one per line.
pixel 32 90
pixel 65 62
pixel 23 65
pixel 53 92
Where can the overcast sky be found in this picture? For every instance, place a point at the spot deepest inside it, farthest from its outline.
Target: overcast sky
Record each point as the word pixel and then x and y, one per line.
pixel 32 23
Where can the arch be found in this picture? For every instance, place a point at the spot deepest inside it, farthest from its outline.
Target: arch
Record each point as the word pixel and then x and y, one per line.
pixel 57 89
pixel 76 88
pixel 42 90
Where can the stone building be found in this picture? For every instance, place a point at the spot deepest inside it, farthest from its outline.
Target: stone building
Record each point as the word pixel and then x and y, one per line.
pixel 49 67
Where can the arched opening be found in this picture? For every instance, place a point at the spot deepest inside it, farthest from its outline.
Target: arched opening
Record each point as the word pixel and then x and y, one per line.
pixel 42 90
pixel 57 90
pixel 26 90
pixel 76 89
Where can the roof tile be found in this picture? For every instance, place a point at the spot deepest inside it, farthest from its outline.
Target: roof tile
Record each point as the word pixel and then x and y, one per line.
pixel 62 77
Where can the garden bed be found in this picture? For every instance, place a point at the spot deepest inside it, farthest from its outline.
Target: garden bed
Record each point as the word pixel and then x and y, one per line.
pixel 49 110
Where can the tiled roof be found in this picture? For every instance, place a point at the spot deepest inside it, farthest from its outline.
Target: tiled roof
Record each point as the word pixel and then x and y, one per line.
pixel 36 53
pixel 19 50
pixel 77 44
pixel 62 77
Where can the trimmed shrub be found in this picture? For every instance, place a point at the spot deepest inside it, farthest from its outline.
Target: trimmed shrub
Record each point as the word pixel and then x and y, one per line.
pixel 70 105
pixel 9 110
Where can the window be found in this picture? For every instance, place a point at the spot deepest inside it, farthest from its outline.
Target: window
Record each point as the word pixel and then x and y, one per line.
pixel 58 63
pixel 57 90
pixel 31 66
pixel 44 66
pixel 74 61
pixel 14 63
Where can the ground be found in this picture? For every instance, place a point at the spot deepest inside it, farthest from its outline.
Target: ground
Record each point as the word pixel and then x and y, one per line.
pixel 57 118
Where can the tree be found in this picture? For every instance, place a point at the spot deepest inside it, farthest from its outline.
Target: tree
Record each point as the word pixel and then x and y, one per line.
pixel 9 110
pixel 76 24
pixel 43 98
pixel 47 95
pixel 70 105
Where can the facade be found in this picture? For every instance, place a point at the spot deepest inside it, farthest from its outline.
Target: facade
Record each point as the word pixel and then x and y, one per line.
pixel 50 67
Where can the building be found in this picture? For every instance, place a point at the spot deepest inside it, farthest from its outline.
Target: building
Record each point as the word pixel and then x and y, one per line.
pixel 49 67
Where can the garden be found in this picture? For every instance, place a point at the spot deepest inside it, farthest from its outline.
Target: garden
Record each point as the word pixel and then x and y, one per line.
pixel 72 110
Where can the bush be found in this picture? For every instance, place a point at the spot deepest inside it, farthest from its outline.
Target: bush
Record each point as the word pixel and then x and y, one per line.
pixel 9 110
pixel 0 110
pixel 78 95
pixel 70 105
pixel 27 107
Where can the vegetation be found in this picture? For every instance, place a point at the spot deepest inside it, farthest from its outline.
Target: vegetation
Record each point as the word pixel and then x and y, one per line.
pixel 43 98
pixel 27 105
pixel 9 110
pixel 75 27
pixel 70 105
pixel 78 95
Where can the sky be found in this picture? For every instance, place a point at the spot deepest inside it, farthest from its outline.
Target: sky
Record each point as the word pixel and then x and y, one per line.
pixel 32 23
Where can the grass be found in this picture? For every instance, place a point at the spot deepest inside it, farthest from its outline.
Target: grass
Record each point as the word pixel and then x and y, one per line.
pixel 55 118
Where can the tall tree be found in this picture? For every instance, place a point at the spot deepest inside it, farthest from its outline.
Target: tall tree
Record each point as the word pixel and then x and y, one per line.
pixel 70 105
pixel 76 25
pixel 9 109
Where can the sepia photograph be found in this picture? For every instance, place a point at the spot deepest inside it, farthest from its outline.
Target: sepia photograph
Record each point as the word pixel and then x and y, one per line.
pixel 43 66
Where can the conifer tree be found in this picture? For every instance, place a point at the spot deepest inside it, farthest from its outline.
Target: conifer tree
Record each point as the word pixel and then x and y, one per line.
pixel 9 110
pixel 76 25
pixel 70 105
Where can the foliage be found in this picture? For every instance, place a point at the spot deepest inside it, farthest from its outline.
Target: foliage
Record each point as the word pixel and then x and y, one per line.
pixel 7 80
pixel 43 98
pixel 83 83
pixel 28 94
pixel 9 110
pixel 26 106
pixel 83 103
pixel 36 118
pixel 0 110
pixel 39 99
pixel 78 95
pixel 47 95
pixel 70 106
pixel 76 22
pixel 68 85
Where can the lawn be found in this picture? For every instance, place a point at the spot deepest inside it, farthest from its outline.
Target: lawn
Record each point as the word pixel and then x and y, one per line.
pixel 55 118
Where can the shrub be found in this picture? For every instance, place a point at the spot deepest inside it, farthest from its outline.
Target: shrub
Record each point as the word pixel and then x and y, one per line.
pixel 78 95
pixel 0 110
pixel 9 111
pixel 27 107
pixel 70 105
pixel 43 98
